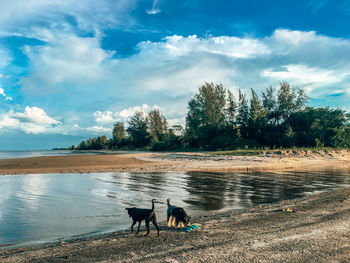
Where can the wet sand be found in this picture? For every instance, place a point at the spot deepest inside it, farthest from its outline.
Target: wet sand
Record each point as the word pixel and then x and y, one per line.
pixel 313 229
pixel 75 164
pixel 146 161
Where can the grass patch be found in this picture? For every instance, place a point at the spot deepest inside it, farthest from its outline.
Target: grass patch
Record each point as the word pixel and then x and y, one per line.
pixel 252 152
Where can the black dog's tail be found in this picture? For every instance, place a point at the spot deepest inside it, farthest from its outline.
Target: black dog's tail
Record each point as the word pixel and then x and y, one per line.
pixel 153 204
pixel 168 202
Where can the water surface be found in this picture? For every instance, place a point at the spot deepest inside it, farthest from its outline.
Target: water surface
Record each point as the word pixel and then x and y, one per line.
pixel 31 153
pixel 39 153
pixel 48 207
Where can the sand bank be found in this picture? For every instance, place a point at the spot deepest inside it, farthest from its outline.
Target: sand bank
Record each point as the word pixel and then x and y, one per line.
pixel 145 161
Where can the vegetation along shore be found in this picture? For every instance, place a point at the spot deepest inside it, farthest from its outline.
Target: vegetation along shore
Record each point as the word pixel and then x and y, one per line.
pixel 216 120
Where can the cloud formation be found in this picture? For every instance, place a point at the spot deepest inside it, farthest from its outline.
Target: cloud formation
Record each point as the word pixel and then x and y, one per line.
pixel 98 129
pixel 32 120
pixel 66 59
pixel 2 93
pixel 108 117
pixel 154 9
pixel 23 18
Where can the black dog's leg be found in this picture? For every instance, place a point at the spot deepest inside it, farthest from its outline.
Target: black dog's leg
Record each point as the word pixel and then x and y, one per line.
pixel 147 225
pixel 138 228
pixel 154 221
pixel 132 226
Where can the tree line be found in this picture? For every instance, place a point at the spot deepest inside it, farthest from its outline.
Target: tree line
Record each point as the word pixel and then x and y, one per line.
pixel 217 120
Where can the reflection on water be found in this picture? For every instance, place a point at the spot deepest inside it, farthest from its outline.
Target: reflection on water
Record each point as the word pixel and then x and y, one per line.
pixel 38 208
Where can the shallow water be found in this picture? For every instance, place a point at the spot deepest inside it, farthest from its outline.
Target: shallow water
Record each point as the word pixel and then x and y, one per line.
pixel 38 153
pixel 49 207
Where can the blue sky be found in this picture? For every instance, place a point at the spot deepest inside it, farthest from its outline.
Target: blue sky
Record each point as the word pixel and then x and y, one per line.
pixel 69 69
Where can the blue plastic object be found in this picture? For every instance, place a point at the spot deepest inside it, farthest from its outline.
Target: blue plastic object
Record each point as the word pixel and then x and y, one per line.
pixel 188 228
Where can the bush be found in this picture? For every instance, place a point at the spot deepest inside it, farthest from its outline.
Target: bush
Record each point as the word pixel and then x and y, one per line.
pixel 159 146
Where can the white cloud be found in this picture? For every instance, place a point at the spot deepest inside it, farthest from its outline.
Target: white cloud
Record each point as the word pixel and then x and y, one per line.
pixel 154 9
pixel 17 16
pixel 2 93
pixel 108 117
pixel 99 129
pixel 68 59
pixel 5 59
pixel 34 115
pixel 32 120
pixel 182 64
pixel 105 117
pixel 175 46
pixel 309 77
pixel 178 64
pixel 126 113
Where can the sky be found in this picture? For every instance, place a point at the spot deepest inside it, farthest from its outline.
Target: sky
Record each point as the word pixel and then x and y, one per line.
pixel 69 69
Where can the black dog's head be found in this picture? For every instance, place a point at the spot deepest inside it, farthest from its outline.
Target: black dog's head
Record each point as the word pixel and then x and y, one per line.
pixel 130 209
pixel 187 220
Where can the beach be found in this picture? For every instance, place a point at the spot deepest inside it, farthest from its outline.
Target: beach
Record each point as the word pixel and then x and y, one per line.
pixel 310 229
pixel 176 161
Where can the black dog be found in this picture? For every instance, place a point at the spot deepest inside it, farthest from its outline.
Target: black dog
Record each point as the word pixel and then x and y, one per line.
pixel 139 214
pixel 169 211
pixel 176 216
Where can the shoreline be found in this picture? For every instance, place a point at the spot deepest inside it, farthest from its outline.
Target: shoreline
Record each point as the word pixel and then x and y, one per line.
pixel 316 229
pixel 181 161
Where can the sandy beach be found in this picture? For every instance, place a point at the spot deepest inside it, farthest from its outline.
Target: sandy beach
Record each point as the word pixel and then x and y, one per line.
pixel 314 229
pixel 179 161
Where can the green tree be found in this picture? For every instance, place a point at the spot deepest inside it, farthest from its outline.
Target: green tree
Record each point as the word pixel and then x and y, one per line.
pixel 193 122
pixel 101 143
pixel 206 114
pixel 231 111
pixel 321 127
pixel 256 110
pixel 82 145
pixel 158 126
pixel 138 130
pixel 243 113
pixel 270 104
pixel 289 101
pixel 257 119
pixel 119 134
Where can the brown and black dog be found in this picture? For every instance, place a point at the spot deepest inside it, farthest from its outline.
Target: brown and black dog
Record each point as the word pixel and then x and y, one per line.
pixel 140 214
pixel 177 216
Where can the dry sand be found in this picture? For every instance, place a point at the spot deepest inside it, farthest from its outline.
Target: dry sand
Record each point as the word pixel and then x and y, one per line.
pixel 316 230
pixel 146 161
